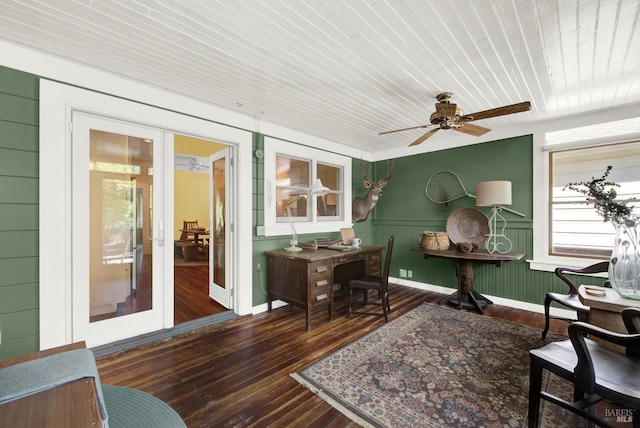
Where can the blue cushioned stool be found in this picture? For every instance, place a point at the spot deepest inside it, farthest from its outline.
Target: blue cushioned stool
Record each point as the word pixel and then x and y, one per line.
pixel 128 408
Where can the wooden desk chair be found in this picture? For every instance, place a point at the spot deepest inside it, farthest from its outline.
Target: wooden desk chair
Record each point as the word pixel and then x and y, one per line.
pixel 597 372
pixel 366 283
pixel 571 299
pixel 186 236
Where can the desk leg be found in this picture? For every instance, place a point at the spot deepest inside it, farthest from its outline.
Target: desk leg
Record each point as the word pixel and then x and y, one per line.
pixel 466 297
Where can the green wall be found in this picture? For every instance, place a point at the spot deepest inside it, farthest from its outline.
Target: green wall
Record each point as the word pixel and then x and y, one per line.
pixel 18 212
pixel 406 211
pixel 403 210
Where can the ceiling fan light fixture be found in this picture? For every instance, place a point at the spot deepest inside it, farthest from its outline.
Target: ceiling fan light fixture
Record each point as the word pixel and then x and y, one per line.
pixel 449 116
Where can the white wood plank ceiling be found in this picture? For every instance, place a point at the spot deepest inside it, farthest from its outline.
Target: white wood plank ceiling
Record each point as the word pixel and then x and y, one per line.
pixel 348 69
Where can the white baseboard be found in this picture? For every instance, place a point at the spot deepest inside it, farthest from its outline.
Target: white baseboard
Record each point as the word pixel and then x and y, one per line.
pixel 517 304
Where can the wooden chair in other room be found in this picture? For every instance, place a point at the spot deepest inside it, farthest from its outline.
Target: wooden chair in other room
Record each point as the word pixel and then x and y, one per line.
pixel 596 371
pixel 188 225
pixel 571 300
pixel 366 283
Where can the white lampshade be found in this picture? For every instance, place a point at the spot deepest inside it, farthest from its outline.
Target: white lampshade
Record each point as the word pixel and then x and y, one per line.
pixel 492 193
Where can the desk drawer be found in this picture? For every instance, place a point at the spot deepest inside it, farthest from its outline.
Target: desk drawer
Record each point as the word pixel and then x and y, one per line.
pixel 319 294
pixel 348 258
pixel 319 269
pixel 374 264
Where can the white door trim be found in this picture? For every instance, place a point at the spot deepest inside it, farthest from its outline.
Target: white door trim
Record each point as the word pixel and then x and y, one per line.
pixel 56 103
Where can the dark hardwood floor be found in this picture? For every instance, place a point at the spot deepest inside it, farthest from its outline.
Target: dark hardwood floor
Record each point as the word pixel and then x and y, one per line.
pixel 191 293
pixel 191 296
pixel 237 373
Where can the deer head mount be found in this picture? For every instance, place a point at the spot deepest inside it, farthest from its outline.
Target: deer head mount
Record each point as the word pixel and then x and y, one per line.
pixel 362 206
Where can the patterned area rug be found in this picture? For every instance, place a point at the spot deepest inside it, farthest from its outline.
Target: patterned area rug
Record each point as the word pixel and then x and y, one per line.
pixel 437 367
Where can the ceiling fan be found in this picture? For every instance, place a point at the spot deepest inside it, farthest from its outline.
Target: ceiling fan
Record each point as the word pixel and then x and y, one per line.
pixel 190 163
pixel 449 116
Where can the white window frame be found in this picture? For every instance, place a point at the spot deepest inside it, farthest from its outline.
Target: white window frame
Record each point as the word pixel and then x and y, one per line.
pixel 542 260
pixel 273 227
pixel 583 164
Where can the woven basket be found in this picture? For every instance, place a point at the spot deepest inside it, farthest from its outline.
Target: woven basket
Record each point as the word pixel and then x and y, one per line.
pixel 434 240
pixel 468 225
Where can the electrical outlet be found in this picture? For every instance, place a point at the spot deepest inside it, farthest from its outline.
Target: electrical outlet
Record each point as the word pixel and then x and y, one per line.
pixel 409 274
pixel 403 273
pixel 258 266
pixel 260 230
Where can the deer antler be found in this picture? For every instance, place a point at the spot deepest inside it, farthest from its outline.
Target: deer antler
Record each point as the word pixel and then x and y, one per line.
pixel 365 176
pixel 389 170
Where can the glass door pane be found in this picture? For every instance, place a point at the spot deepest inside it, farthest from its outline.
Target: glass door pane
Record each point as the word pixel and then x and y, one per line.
pixel 220 213
pixel 121 183
pixel 219 222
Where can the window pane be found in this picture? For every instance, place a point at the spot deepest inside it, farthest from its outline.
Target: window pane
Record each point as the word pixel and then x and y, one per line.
pixel 292 178
pixel 576 229
pixel 329 204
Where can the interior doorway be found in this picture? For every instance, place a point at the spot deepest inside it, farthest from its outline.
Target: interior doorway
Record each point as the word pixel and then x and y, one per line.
pixel 196 229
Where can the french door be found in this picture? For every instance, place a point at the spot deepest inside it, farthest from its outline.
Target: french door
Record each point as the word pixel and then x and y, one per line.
pixel 118 244
pixel 220 217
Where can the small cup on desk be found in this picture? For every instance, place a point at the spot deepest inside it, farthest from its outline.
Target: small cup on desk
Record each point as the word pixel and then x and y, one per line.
pixel 356 242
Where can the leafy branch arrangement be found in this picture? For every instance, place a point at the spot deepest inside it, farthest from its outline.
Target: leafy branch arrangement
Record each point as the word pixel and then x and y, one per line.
pixel 602 194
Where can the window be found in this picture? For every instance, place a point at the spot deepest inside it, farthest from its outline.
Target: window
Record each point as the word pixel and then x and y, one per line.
pixel 576 229
pixel 577 154
pixel 290 170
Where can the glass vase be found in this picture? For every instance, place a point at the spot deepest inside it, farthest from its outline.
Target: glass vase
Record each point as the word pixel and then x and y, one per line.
pixel 624 266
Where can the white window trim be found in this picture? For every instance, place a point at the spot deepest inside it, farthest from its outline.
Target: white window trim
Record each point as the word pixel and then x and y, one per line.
pixel 273 146
pixel 542 260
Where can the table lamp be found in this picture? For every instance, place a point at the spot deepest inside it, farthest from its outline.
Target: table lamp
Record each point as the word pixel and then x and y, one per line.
pixel 314 190
pixel 495 194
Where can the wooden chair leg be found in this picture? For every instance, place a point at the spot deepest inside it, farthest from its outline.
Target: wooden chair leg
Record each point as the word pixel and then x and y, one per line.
pixel 547 304
pixel 350 301
pixel 535 387
pixel 384 302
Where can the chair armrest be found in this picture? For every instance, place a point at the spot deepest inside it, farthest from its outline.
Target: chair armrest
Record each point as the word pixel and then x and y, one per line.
pixel 595 268
pixel 560 274
pixel 584 371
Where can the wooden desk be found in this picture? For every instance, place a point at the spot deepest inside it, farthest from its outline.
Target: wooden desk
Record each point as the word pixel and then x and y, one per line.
pixel 73 404
pixel 305 279
pixel 188 246
pixel 195 232
pixel 466 297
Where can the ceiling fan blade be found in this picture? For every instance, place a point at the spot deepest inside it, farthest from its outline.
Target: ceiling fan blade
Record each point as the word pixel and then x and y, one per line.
pixel 446 110
pixel 499 111
pixel 424 137
pixel 404 129
pixel 469 128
